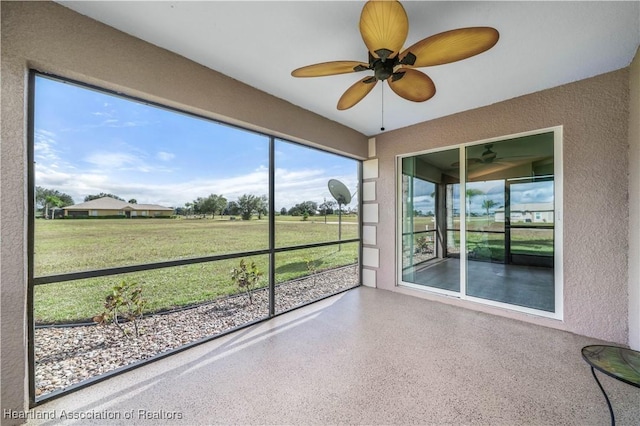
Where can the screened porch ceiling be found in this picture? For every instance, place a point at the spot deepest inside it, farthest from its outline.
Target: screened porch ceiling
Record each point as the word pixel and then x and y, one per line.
pixel 542 45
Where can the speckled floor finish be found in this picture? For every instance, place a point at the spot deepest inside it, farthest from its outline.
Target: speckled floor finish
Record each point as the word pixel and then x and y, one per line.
pixel 364 357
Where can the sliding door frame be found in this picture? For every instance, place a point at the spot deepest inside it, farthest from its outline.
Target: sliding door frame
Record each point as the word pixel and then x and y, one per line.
pixel 558 313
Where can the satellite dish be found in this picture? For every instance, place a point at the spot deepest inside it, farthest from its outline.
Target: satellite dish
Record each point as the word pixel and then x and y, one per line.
pixel 342 195
pixel 339 191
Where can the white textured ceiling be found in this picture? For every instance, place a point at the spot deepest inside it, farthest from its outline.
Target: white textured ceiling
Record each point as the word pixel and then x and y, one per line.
pixel 542 45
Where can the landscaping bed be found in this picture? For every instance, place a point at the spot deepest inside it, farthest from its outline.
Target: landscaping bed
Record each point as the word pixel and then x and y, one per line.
pixel 67 355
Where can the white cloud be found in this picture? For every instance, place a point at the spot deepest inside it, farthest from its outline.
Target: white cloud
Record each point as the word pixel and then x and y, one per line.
pixel 292 186
pixel 112 160
pixel 123 161
pixel 44 146
pixel 165 156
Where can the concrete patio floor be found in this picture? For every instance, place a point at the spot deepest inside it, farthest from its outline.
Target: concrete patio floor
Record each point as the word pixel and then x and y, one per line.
pixel 363 357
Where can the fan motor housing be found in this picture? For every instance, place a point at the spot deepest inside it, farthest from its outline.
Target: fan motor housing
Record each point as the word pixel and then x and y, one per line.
pixel 384 69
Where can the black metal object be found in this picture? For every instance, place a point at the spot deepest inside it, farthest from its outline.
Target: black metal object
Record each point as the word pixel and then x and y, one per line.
pixel 31 199
pixel 72 276
pixel 616 362
pixel 404 234
pixel 507 222
pixel 532 227
pixel 606 398
pixel 272 227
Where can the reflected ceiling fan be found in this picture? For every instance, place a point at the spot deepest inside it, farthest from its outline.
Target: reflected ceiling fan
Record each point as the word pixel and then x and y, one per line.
pixel 489 156
pixel 384 26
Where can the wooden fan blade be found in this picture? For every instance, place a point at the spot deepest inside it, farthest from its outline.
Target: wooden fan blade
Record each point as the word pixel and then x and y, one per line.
pixel 451 46
pixel 412 84
pixel 330 68
pixel 384 27
pixel 356 93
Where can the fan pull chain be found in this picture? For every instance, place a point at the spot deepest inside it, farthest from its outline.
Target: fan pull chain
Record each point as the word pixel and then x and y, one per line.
pixel 382 115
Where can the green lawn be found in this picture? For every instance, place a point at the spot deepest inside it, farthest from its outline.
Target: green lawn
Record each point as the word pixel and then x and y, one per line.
pixel 63 246
pixel 488 242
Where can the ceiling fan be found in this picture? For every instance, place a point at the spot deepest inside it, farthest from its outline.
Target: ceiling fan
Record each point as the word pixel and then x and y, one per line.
pixel 489 156
pixel 384 26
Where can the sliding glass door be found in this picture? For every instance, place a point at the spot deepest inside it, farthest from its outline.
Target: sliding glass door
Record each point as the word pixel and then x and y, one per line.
pixel 490 236
pixel 510 222
pixel 431 220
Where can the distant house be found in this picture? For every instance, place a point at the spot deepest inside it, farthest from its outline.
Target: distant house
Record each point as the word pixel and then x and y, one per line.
pixel 529 212
pixel 107 206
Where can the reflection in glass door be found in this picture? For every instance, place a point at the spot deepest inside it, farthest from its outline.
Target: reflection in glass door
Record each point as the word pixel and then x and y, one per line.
pixel 508 201
pixel 509 222
pixel 431 220
pixel 529 230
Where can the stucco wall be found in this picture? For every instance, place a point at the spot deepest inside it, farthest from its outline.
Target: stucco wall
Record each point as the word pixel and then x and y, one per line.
pixel 51 38
pixel 594 115
pixel 13 207
pixel 634 203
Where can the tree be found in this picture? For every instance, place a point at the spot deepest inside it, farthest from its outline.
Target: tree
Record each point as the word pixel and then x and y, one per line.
pixel 262 206
pixel 248 205
pixel 488 204
pixel 219 204
pixel 213 204
pixel 42 193
pixel 101 195
pixel 283 211
pixel 472 192
pixel 308 207
pixel 199 205
pixel 232 208
pixel 59 199
pixel 51 201
pixel 132 201
pixel 326 208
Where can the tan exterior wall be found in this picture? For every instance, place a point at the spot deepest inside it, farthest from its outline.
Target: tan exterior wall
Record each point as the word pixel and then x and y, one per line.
pixel 100 212
pixel 160 213
pixel 594 114
pixel 634 203
pixel 147 213
pixel 50 38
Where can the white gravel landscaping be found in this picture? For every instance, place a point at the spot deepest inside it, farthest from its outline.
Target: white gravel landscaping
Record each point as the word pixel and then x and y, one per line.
pixel 68 355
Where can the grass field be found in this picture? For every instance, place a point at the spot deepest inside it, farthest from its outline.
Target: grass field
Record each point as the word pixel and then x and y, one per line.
pixel 485 238
pixel 63 246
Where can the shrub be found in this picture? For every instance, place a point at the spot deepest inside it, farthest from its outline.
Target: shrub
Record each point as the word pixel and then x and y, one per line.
pixel 424 246
pixel 312 268
pixel 246 277
pixel 125 300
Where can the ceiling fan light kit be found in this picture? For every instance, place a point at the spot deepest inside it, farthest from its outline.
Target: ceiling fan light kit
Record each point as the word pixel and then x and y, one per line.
pixel 384 27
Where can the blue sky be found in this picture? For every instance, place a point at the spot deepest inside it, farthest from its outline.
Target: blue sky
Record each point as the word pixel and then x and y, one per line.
pixel 87 142
pixel 529 193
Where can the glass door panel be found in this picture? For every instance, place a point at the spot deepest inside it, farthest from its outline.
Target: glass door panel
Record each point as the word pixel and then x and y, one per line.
pixel 532 222
pixel 485 235
pixel 430 220
pixel 509 221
